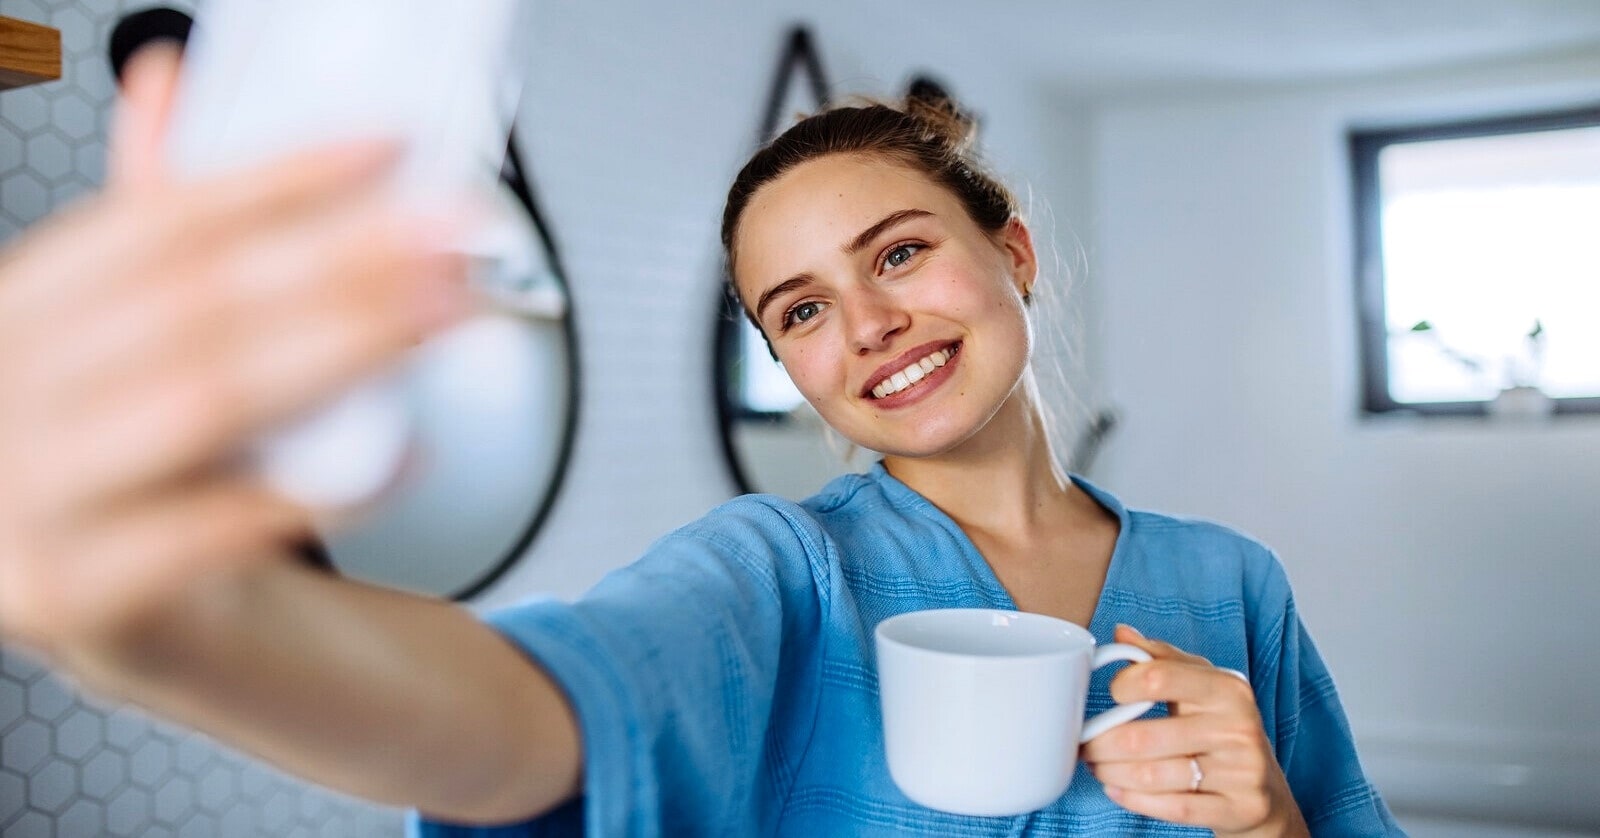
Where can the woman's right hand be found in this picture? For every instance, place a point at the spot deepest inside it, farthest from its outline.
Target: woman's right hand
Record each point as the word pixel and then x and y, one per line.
pixel 148 334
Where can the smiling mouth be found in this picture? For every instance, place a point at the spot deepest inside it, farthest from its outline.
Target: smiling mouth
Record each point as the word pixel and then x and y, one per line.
pixel 914 372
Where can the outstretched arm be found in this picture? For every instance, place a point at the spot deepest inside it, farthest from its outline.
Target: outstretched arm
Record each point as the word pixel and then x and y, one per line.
pixel 388 696
pixel 145 337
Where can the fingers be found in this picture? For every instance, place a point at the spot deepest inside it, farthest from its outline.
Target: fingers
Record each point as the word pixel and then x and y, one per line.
pixel 353 254
pixel 1211 810
pixel 1149 766
pixel 145 350
pixel 1196 687
pixel 244 359
pixel 1172 737
pixel 1145 767
pixel 1179 678
pixel 206 221
pixel 135 159
pixel 1163 776
pixel 1156 776
pixel 285 187
pixel 1219 773
pixel 122 245
pixel 146 336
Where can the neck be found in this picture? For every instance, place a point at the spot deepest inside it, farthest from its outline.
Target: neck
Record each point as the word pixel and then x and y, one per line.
pixel 1005 480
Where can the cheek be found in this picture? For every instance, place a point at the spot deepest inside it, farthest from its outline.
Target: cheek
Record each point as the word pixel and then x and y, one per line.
pixel 807 369
pixel 971 288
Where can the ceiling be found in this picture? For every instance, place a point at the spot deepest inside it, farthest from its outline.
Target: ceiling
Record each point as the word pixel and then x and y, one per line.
pixel 1094 44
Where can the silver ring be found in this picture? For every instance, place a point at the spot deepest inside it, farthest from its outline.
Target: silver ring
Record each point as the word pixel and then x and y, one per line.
pixel 1196 776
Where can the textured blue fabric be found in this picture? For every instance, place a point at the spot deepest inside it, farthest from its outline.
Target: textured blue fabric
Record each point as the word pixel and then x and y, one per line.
pixel 725 682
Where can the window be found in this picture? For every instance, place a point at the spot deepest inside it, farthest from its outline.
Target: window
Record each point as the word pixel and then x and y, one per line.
pixel 1478 263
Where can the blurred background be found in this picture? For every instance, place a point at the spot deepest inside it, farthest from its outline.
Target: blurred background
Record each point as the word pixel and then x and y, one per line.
pixel 1241 293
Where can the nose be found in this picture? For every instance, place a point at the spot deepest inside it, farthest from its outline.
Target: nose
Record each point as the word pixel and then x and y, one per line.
pixel 872 319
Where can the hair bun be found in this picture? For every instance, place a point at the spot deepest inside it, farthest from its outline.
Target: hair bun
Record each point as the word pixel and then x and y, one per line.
pixel 932 105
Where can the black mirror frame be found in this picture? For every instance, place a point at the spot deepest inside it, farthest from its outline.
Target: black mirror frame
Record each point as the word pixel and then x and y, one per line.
pixel 514 175
pixel 799 56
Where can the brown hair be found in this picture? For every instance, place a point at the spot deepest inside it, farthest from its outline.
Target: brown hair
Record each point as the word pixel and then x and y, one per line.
pixel 927 135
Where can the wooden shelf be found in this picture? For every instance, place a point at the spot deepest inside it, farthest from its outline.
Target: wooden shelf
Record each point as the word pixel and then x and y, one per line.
pixel 29 53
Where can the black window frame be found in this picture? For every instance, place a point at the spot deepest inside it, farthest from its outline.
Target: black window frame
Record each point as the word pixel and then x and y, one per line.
pixel 1365 146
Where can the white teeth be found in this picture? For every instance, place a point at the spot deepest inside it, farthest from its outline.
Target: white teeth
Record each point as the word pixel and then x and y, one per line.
pixel 911 374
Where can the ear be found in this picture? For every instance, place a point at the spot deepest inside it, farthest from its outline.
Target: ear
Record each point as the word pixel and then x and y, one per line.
pixel 1016 242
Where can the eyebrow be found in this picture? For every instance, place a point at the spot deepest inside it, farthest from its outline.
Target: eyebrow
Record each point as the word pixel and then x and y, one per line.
pixel 778 290
pixel 860 242
pixel 855 246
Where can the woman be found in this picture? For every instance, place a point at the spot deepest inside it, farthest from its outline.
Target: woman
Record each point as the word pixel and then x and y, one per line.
pixel 723 683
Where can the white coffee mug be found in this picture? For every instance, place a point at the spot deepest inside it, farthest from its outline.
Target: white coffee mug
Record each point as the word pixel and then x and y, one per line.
pixel 983 708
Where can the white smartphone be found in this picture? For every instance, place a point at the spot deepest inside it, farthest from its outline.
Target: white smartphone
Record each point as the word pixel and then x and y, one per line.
pixel 266 77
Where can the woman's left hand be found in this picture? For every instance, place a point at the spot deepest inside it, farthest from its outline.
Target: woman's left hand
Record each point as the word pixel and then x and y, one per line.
pixel 1214 733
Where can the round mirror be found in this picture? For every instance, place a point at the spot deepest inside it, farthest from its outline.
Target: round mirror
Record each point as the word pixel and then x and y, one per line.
pixel 774 440
pixel 494 402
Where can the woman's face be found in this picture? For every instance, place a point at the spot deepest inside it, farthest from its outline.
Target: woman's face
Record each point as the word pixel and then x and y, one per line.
pixel 899 319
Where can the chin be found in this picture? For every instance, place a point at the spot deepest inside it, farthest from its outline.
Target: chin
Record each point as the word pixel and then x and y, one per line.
pixel 928 442
pixel 929 431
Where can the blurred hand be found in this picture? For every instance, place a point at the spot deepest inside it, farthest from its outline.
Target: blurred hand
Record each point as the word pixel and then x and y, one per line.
pixel 1145 765
pixel 148 334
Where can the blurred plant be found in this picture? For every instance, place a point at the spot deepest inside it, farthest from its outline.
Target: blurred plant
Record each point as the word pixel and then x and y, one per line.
pixel 1517 372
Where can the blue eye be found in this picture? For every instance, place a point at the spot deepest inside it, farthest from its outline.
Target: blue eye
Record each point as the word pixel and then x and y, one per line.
pixel 801 313
pixel 900 254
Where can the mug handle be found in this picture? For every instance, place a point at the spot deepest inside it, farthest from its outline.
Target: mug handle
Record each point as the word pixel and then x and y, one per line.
pixel 1120 713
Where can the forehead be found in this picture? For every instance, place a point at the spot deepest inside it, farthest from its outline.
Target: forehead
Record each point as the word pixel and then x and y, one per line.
pixel 818 206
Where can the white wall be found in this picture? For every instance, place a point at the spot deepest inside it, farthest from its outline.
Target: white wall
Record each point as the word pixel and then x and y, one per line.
pixel 1449 568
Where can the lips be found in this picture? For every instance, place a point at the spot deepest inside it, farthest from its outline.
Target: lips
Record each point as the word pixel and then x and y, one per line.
pixel 909 369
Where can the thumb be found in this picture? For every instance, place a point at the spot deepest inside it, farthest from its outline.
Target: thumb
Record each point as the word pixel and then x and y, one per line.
pixel 136 159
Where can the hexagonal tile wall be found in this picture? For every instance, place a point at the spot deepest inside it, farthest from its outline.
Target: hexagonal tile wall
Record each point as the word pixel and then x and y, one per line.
pixel 71 766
